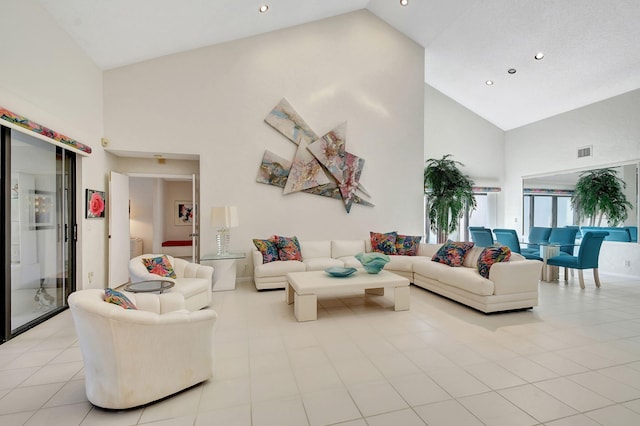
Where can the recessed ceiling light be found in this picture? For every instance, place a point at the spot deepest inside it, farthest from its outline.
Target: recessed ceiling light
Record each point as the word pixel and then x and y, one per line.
pixel 263 8
pixel 511 70
pixel 404 2
pixel 539 56
pixel 489 82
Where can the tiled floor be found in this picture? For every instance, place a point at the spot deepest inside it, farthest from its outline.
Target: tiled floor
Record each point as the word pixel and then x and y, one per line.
pixel 573 360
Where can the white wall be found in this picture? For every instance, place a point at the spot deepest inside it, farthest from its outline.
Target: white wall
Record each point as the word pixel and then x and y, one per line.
pixel 212 102
pixel 47 78
pixel 450 128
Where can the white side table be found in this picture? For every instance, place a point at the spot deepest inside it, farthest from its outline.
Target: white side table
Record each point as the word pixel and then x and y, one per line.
pixel 224 269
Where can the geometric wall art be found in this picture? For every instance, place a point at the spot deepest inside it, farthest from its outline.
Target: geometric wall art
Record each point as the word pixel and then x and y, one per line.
pixel 321 165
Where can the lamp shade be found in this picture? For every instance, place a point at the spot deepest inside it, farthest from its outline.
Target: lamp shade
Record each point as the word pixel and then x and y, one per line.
pixel 224 217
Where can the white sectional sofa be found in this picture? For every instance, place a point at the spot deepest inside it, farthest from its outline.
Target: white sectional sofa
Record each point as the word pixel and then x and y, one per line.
pixel 511 285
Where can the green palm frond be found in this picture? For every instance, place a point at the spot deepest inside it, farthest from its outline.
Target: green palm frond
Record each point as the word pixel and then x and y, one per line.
pixel 449 193
pixel 600 193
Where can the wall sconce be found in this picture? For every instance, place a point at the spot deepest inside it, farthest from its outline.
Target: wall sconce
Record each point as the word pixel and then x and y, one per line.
pixel 223 218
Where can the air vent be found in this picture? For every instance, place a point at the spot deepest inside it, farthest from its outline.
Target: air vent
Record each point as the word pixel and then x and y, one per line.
pixel 585 151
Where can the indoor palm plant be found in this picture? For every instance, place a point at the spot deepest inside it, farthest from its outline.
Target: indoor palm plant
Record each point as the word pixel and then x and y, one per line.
pixel 449 193
pixel 600 193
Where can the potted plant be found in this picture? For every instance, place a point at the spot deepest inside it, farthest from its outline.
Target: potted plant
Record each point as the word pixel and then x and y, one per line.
pixel 600 193
pixel 449 193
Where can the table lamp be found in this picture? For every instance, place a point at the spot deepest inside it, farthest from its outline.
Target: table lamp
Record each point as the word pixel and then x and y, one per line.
pixel 223 218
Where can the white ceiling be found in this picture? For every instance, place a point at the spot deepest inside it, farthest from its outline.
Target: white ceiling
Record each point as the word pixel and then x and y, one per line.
pixel 592 49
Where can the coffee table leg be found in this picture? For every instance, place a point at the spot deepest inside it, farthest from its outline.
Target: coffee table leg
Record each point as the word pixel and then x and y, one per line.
pixel 402 298
pixel 289 294
pixel 305 307
pixel 375 291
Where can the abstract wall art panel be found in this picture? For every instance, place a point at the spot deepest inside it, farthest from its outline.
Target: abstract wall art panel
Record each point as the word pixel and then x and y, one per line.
pixel 321 166
pixel 306 172
pixel 330 151
pixel 286 120
pixel 274 170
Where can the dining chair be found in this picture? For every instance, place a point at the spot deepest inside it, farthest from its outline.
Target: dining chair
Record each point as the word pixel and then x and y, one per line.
pixel 482 237
pixel 564 236
pixel 537 235
pixel 587 257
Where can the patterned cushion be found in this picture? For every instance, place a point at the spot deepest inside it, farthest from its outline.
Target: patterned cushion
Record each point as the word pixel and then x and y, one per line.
pixel 160 266
pixel 384 243
pixel 406 245
pixel 117 298
pixel 268 248
pixel 452 253
pixel 491 255
pixel 288 248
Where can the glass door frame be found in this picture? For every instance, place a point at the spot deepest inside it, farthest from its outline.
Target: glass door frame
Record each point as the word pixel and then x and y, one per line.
pixel 66 184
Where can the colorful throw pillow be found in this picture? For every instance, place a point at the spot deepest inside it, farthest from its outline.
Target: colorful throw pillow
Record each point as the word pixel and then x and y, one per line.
pixel 160 266
pixel 452 253
pixel 491 255
pixel 117 298
pixel 384 243
pixel 268 248
pixel 288 248
pixel 407 245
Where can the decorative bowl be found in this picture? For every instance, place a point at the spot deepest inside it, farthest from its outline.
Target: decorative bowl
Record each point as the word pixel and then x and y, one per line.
pixel 373 262
pixel 339 271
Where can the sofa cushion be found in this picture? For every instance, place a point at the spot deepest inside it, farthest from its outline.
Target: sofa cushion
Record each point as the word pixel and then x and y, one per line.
pixel 383 243
pixel 321 263
pixel 407 245
pixel 312 249
pixel 491 255
pixel 467 279
pixel 471 258
pixel 160 266
pixel 117 298
pixel 402 263
pixel 288 248
pixel 350 262
pixel 278 268
pixel 428 250
pixel 452 252
pixel 268 248
pixel 342 248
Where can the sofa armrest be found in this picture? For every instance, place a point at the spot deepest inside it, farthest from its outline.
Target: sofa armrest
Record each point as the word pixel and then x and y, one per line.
pixel 515 277
pixel 257 257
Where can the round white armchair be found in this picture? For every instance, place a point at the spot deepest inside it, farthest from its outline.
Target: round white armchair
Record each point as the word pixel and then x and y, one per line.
pixel 193 280
pixel 133 357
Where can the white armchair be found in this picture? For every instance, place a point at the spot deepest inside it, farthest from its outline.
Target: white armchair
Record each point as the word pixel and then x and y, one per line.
pixel 193 280
pixel 133 357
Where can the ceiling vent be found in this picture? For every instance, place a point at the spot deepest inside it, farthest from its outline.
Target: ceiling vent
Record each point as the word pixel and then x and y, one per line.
pixel 585 151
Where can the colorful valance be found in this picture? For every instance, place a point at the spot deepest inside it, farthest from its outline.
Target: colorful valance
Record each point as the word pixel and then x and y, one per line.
pixel 544 191
pixel 485 189
pixel 24 122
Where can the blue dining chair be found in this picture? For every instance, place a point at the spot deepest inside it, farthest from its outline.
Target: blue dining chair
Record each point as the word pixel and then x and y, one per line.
pixel 537 235
pixel 587 257
pixel 482 237
pixel 509 238
pixel 564 236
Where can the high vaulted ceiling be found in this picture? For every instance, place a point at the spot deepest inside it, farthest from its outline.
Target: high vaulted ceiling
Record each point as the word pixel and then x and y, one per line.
pixel 591 47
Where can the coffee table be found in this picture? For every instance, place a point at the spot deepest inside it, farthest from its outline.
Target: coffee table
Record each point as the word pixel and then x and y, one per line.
pixel 149 286
pixel 303 288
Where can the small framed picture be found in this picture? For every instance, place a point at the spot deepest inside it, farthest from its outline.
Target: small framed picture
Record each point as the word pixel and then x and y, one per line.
pixel 42 212
pixel 183 214
pixel 95 204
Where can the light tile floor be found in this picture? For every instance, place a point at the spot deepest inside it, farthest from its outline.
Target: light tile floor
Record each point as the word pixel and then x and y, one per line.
pixel 573 360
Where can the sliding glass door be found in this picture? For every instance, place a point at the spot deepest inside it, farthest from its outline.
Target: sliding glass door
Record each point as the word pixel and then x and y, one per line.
pixel 39 266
